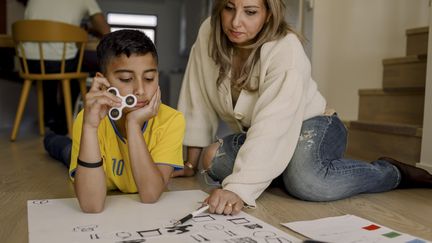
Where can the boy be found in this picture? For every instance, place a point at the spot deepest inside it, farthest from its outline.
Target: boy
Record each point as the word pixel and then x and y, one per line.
pixel 138 152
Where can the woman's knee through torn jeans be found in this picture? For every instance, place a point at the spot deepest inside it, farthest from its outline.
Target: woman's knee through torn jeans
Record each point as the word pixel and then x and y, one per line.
pixel 223 161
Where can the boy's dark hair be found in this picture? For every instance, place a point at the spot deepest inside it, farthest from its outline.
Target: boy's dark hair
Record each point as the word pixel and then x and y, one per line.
pixel 126 42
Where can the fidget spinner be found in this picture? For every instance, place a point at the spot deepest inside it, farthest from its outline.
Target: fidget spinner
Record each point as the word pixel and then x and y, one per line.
pixel 127 101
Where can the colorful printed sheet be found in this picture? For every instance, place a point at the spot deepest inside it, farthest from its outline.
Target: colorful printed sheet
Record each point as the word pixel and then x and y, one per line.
pixel 349 228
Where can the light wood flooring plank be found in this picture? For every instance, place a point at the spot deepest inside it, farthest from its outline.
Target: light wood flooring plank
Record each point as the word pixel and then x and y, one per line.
pixel 27 172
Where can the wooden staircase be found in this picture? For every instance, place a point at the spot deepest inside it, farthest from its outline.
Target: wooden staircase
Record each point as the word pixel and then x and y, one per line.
pixel 390 120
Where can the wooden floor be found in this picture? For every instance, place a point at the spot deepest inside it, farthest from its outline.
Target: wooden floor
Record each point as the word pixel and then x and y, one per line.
pixel 27 172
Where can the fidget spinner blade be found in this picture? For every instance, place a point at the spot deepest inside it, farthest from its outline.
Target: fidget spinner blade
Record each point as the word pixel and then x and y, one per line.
pixel 127 101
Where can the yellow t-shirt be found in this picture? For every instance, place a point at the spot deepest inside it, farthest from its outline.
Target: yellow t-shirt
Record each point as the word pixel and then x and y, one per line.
pixel 163 135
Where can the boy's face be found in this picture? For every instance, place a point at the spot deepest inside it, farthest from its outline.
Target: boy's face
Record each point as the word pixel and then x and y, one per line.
pixel 137 75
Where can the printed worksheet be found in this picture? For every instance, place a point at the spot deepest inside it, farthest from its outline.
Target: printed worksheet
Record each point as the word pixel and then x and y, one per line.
pixel 126 220
pixel 349 228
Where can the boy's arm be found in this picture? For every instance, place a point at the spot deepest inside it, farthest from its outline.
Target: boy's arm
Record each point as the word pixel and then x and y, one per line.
pixel 90 185
pixel 150 178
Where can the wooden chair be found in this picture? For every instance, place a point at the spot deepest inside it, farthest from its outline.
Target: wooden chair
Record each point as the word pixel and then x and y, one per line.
pixel 42 31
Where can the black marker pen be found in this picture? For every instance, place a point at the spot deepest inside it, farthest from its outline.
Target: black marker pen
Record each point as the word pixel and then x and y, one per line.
pixel 191 215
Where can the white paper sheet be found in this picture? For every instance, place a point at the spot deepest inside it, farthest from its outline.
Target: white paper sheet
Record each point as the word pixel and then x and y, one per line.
pixel 349 228
pixel 126 220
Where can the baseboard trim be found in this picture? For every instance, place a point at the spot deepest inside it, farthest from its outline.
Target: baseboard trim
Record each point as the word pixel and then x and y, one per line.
pixel 426 166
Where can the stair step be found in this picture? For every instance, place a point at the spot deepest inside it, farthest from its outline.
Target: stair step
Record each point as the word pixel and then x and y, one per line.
pixel 387 127
pixel 395 106
pixel 417 41
pixel 370 140
pixel 404 72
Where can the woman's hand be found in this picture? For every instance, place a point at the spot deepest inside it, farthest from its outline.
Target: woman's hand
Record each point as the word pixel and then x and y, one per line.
pixel 145 113
pixel 98 101
pixel 224 202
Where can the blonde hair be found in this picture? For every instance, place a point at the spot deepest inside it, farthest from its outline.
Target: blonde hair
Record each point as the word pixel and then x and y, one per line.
pixel 221 48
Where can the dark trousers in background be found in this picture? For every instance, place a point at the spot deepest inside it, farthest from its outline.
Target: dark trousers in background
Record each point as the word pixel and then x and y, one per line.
pixel 54 111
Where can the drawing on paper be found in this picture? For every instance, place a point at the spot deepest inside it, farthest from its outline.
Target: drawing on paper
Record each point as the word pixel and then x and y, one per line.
pixel 126 220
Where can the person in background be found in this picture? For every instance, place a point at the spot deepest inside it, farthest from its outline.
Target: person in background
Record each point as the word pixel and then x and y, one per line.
pixel 136 153
pixel 71 12
pixel 248 68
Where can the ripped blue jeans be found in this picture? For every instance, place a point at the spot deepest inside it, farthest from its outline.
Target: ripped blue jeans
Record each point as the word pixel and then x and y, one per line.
pixel 317 171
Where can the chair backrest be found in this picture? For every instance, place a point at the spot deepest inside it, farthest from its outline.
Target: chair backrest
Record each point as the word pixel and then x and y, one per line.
pixel 44 31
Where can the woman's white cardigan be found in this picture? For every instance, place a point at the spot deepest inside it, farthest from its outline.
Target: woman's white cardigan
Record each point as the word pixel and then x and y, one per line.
pixel 287 96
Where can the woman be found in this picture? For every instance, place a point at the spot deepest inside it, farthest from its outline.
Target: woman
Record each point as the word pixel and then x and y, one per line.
pixel 248 68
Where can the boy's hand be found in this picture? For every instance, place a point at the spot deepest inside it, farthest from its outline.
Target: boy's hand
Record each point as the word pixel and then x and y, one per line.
pixel 98 101
pixel 224 202
pixel 145 113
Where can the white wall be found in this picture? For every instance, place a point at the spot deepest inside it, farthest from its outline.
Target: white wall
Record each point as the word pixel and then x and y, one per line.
pixel 14 12
pixel 292 17
pixel 350 40
pixel 426 153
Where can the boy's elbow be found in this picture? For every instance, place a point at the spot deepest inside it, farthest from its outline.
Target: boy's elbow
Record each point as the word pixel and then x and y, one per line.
pixel 91 208
pixel 148 201
pixel 150 197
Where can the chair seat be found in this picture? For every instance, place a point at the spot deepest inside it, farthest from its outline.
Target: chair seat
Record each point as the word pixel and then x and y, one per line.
pixel 53 76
